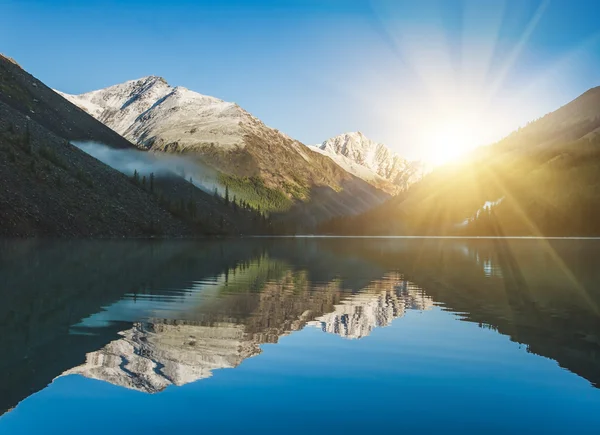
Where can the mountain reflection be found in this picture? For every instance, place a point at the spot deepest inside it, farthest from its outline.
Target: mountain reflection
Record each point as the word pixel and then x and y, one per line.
pixel 147 315
pixel 357 316
pixel 152 356
pixel 155 354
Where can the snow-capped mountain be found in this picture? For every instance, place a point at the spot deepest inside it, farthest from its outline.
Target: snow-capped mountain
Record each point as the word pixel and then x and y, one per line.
pixel 159 117
pixel 360 171
pixel 154 114
pixel 356 148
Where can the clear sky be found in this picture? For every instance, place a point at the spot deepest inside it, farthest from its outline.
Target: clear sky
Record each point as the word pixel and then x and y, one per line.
pixel 416 75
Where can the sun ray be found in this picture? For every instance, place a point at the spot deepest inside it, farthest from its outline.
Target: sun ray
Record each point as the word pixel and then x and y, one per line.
pixel 518 48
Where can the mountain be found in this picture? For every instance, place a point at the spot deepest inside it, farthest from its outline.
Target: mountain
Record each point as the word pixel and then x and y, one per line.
pixel 541 180
pixel 358 316
pixel 360 171
pixel 371 160
pixel 342 286
pixel 160 354
pixel 154 115
pixel 52 188
pixel 150 356
pixel 260 164
pixel 25 94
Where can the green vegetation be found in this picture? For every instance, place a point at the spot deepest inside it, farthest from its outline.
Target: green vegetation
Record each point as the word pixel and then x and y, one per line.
pixel 255 193
pixel 252 277
pixel 298 190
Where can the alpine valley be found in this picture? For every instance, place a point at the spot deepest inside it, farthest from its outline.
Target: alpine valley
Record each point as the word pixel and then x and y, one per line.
pixel 223 171
pixel 229 172
pixel 259 164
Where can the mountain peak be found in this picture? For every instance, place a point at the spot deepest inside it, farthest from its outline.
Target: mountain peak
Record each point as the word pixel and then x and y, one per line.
pixel 345 142
pixel 152 79
pixel 10 59
pixel 373 155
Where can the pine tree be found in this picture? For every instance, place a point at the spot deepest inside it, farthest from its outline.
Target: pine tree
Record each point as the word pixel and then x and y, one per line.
pixel 136 177
pixel 226 195
pixel 152 182
pixel 144 181
pixel 234 204
pixel 216 193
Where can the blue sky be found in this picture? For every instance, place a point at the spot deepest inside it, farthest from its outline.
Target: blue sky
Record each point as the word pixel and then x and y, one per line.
pixel 409 74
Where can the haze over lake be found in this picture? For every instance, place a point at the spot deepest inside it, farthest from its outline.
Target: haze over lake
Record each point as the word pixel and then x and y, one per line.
pixel 292 335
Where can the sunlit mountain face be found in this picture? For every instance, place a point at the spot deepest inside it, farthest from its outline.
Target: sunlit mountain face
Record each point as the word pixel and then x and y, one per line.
pixel 287 314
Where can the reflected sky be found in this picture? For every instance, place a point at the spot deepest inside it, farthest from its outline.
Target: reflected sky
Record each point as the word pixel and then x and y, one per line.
pixel 306 335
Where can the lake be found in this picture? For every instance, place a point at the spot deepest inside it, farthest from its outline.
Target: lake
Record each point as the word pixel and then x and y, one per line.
pixel 300 335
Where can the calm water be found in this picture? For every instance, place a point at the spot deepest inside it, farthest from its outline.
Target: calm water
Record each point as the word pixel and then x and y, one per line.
pixel 300 336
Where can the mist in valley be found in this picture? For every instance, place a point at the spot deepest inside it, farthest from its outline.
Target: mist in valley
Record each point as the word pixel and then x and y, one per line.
pixel 128 161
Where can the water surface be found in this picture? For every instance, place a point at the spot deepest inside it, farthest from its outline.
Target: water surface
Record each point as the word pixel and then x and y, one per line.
pixel 299 335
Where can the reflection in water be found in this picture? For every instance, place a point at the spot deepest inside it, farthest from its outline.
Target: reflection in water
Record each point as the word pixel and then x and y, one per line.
pixel 357 316
pixel 149 315
pixel 152 355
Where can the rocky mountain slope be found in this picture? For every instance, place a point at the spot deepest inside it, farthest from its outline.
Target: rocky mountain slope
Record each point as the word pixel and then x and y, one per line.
pixel 360 171
pixel 52 188
pixel 260 164
pixel 27 95
pixel 372 161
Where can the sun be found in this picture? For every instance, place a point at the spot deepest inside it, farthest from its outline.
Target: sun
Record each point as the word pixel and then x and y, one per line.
pixel 450 139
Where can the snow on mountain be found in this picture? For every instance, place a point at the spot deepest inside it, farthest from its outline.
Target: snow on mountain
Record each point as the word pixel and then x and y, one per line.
pixel 358 170
pixel 355 147
pixel 159 117
pixel 149 108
